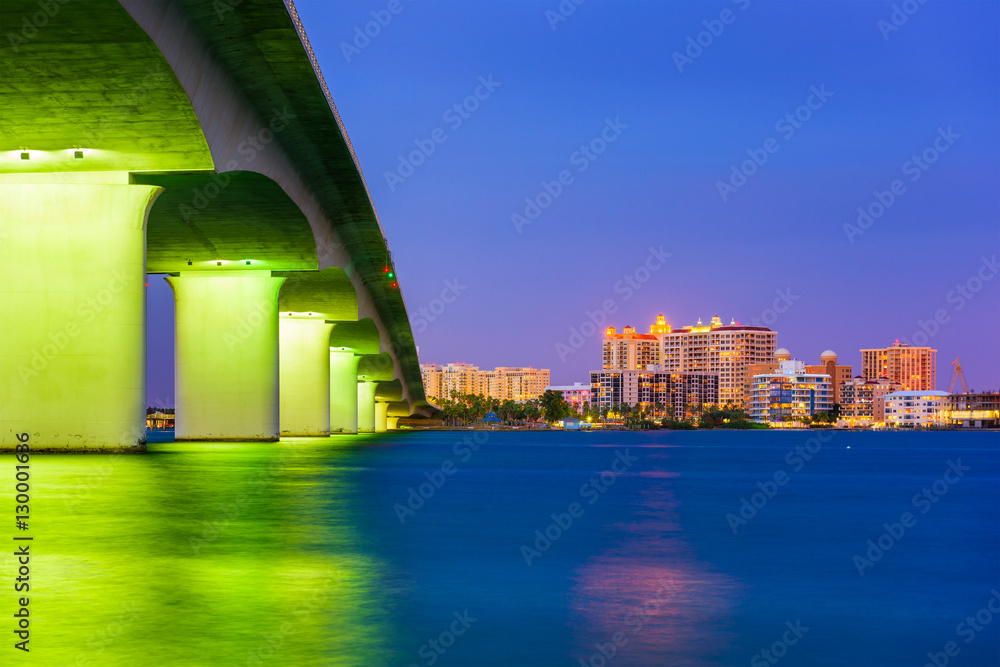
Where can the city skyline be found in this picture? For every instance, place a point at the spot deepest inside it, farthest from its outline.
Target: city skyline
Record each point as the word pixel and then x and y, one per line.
pixel 648 208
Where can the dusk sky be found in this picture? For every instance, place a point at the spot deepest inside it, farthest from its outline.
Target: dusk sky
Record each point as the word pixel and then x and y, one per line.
pixel 673 128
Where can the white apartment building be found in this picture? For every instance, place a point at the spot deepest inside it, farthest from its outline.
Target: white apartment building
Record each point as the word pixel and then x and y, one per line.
pixel 916 408
pixel 790 392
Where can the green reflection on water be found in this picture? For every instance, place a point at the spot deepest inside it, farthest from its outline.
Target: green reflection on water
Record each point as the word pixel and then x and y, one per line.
pixel 204 554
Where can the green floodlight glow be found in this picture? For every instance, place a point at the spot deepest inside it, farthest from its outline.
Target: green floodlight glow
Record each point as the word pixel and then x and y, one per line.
pixel 391 274
pixel 90 315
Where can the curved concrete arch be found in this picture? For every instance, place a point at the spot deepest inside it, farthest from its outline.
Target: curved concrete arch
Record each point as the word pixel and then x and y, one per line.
pixel 232 218
pixel 389 391
pixel 92 80
pixel 399 409
pixel 376 368
pixel 329 293
pixel 361 337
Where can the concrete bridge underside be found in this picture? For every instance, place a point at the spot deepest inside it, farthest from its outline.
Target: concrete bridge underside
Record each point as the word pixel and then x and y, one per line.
pixel 198 141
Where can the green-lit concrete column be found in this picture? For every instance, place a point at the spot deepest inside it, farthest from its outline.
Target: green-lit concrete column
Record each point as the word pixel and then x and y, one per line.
pixel 73 310
pixel 381 412
pixel 343 391
pixel 366 407
pixel 226 365
pixel 304 372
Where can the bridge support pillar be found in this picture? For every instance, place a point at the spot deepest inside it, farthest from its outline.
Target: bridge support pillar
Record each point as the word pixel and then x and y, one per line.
pixel 73 314
pixel 366 407
pixel 343 391
pixel 226 365
pixel 392 423
pixel 304 375
pixel 381 414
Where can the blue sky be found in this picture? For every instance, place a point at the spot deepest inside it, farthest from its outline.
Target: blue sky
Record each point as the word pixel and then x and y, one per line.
pixel 887 96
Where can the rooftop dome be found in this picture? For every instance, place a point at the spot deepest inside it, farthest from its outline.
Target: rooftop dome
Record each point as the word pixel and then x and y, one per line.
pixel 781 350
pixel 828 353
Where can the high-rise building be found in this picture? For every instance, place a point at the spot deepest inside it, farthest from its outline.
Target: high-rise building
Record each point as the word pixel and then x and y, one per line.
pixel 862 402
pixel 503 383
pixel 790 392
pixel 629 350
pixel 828 365
pixel 912 367
pixel 682 391
pixel 513 383
pixel 838 374
pixel 432 374
pixel 441 381
pixel 725 349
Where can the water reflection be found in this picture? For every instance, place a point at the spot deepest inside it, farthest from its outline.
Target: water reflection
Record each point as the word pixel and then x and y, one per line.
pixel 231 554
pixel 648 600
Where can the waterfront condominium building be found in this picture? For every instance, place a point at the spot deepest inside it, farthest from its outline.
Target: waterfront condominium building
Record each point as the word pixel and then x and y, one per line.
pixel 862 402
pixel 629 351
pixel 725 349
pixel 513 383
pixel 575 394
pixel 683 391
pixel 838 373
pixel 441 381
pixel 912 367
pixel 827 364
pixel 503 383
pixel 790 392
pixel 916 408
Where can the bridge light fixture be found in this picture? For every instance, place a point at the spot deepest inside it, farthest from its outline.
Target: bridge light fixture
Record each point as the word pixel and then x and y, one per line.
pixel 218 263
pixel 78 154
pixel 248 262
pixel 189 262
pixel 25 155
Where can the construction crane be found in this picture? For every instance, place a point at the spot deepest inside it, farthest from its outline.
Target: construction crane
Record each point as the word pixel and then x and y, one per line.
pixel 958 375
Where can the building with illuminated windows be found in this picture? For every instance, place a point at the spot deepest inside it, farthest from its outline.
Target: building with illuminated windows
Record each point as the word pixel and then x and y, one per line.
pixel 655 390
pixel 789 394
pixel 912 367
pixel 575 394
pixel 838 373
pixel 513 383
pixel 727 350
pixel 974 409
pixel 906 409
pixel 440 381
pixel 862 402
pixel 630 351
pixel 504 382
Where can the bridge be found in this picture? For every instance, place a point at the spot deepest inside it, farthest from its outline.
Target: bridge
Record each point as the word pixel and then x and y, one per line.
pixel 195 140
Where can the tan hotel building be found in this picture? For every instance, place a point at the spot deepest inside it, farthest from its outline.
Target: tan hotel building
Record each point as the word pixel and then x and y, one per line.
pixel 911 367
pixel 726 349
pixel 503 383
